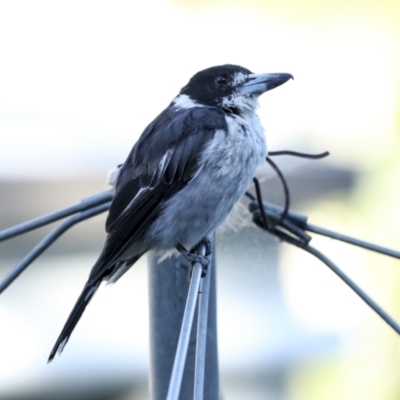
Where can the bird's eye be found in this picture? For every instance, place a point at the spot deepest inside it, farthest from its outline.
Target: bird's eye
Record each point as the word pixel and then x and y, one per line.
pixel 222 80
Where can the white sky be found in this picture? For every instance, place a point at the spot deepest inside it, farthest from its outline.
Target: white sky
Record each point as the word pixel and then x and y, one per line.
pixel 80 80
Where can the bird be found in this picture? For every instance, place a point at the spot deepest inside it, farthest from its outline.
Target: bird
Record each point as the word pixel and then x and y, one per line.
pixel 183 176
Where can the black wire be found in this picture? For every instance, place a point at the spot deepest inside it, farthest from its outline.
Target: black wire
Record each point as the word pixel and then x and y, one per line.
pixel 249 195
pixel 284 214
pixel 283 180
pixel 260 203
pixel 297 154
pixel 285 188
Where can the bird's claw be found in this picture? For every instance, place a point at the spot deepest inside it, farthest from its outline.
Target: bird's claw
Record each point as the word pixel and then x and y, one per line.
pixel 208 245
pixel 194 258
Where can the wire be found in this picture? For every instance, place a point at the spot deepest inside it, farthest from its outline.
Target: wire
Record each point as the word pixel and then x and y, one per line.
pixel 28 226
pixel 297 154
pixel 367 299
pixel 259 200
pixel 249 195
pixel 353 241
pixel 283 180
pixel 291 231
pixel 284 214
pixel 48 240
pixel 285 189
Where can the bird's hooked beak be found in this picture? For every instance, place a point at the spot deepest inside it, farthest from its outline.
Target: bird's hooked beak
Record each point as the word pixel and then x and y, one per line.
pixel 260 83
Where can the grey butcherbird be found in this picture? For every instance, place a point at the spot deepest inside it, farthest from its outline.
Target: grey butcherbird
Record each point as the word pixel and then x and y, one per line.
pixel 183 176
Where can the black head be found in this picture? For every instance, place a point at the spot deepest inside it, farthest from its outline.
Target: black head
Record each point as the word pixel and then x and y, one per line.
pixel 210 86
pixel 231 87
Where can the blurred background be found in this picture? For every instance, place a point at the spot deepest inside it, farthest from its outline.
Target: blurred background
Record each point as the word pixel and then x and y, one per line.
pixel 80 80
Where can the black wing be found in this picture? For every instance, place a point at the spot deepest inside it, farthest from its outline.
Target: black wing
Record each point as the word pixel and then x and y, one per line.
pixel 160 164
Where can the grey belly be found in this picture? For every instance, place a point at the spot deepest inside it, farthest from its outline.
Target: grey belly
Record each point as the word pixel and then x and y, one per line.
pixel 197 210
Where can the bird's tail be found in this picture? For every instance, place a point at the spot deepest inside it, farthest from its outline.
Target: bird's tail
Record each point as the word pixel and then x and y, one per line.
pixel 87 293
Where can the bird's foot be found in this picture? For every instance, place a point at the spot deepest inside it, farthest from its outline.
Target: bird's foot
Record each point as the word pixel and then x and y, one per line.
pixel 208 245
pixel 194 258
pixel 198 258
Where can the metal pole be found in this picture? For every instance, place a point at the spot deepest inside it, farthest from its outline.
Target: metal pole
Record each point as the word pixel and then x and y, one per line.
pixel 168 290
